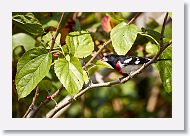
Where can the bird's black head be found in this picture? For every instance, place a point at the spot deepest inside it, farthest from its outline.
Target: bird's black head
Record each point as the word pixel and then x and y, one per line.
pixel 112 59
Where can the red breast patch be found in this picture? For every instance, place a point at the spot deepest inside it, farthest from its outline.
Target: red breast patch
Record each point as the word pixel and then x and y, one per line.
pixel 117 66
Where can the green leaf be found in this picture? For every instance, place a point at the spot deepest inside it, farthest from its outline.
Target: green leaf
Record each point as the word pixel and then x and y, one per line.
pixel 165 69
pixel 85 77
pixel 170 14
pixel 29 23
pixel 47 39
pixel 151 49
pixel 123 36
pixel 80 43
pixel 69 71
pixel 100 64
pixel 152 35
pixel 23 39
pixel 32 67
pixel 45 85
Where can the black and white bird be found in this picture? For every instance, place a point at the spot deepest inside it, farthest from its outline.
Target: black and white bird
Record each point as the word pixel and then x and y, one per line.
pixel 126 64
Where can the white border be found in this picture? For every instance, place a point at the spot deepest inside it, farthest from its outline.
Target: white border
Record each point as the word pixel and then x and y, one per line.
pixel 174 123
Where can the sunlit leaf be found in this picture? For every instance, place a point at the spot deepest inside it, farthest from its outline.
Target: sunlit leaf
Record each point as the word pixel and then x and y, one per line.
pixel 32 67
pixel 69 72
pixel 123 36
pixel 80 43
pixel 165 69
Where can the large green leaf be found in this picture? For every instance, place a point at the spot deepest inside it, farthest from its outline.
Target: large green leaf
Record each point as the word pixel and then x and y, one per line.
pixel 80 43
pixel 69 71
pixel 165 69
pixel 123 36
pixel 23 39
pixel 32 67
pixel 29 23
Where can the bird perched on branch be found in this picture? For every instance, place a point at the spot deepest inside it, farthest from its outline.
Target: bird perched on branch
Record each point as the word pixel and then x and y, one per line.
pixel 126 64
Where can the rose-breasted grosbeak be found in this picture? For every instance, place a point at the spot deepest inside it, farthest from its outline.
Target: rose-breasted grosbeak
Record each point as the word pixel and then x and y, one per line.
pixel 126 64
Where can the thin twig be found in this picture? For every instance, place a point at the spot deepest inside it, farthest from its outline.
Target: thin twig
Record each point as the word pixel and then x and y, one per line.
pixel 96 54
pixel 56 32
pixel 134 18
pixel 46 101
pixel 33 103
pixel 163 29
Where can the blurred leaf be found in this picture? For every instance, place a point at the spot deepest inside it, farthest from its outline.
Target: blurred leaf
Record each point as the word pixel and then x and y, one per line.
pixel 69 72
pixel 91 70
pixel 170 14
pixel 118 17
pixel 167 32
pixel 129 89
pixel 106 24
pixel 23 39
pixel 152 35
pixel 74 110
pixel 80 43
pixel 47 39
pixel 45 85
pixel 32 67
pixel 85 77
pixel 123 36
pixel 29 23
pixel 165 69
pixel 77 25
pixel 152 24
pixel 151 49
pixel 101 64
pixel 18 51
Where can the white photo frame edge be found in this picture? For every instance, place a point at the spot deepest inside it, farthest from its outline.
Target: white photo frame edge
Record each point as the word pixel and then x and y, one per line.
pixel 174 123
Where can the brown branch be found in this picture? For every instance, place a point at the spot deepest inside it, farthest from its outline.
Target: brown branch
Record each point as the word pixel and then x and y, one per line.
pixel 163 29
pixel 56 32
pixel 31 107
pixel 96 54
pixel 134 18
pixel 46 101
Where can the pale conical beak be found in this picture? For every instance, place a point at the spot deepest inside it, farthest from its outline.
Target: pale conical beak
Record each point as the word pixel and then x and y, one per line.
pixel 104 59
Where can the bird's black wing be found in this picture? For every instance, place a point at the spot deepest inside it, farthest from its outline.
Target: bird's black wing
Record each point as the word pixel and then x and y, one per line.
pixel 133 60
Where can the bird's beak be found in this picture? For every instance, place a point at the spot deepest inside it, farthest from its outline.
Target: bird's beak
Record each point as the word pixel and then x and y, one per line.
pixel 104 59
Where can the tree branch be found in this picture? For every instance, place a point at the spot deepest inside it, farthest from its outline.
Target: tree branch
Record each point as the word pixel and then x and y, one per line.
pixel 107 84
pixel 31 107
pixel 56 32
pixel 163 29
pixel 134 18
pixel 96 54
pixel 46 101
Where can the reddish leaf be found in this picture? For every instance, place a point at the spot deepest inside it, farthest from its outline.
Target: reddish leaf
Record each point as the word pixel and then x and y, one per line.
pixel 106 24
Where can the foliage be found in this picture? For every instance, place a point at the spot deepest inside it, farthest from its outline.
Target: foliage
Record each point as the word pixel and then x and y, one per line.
pixel 35 64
